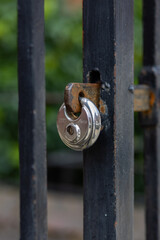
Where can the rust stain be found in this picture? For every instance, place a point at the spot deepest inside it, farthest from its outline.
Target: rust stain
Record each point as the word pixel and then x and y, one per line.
pixel 115 224
pixel 149 112
pixel 89 90
pixel 144 99
pixel 152 99
pixel 152 102
pixel 102 106
pixel 75 90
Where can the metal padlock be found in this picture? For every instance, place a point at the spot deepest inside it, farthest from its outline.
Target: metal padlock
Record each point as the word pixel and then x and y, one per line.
pixel 79 133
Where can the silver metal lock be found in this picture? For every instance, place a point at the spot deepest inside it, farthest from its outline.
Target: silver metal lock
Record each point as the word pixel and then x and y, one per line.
pixel 79 133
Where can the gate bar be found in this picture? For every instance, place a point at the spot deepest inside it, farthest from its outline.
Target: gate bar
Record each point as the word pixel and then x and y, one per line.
pixel 32 127
pixel 109 164
pixel 150 75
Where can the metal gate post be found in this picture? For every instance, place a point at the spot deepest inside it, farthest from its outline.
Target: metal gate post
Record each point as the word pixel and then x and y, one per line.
pixel 151 121
pixel 109 165
pixel 32 133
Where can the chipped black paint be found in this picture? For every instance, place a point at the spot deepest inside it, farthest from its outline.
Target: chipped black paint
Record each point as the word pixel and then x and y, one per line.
pixel 108 165
pixel 32 134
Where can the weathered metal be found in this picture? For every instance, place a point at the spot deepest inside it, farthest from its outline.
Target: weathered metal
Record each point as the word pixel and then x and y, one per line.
pixel 32 128
pixel 144 97
pixel 108 82
pixel 75 90
pixel 109 164
pixel 150 75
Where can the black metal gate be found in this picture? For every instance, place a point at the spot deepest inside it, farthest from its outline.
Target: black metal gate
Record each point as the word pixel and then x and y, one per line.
pixel 109 164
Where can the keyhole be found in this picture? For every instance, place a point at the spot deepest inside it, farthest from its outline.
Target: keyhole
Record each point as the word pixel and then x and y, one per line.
pixel 70 130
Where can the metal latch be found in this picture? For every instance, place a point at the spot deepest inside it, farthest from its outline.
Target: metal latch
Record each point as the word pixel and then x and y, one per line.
pixel 81 131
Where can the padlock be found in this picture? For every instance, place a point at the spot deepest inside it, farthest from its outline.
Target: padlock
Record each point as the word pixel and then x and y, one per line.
pixel 79 133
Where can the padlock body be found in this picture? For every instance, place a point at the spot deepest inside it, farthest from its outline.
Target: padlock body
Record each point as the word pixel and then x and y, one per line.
pixel 80 132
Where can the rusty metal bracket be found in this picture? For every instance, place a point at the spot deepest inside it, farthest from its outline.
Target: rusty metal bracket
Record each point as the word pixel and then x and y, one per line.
pixel 75 90
pixel 144 97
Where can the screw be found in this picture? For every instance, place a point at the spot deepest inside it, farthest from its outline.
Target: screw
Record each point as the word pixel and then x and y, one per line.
pixel 131 88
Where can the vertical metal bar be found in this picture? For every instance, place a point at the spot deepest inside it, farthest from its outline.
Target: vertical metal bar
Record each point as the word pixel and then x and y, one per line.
pixel 32 132
pixel 151 75
pixel 108 165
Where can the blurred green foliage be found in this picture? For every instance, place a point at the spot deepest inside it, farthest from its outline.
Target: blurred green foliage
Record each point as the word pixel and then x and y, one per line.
pixel 63 38
pixel 8 85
